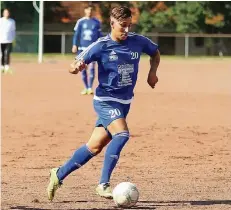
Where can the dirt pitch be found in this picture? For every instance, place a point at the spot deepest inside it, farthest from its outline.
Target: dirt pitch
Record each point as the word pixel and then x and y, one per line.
pixel 179 154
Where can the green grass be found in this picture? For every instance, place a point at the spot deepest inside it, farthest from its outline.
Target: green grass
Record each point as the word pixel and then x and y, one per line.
pixel 48 56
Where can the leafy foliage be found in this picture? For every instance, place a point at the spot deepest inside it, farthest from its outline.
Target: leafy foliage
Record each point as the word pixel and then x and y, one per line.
pixel 24 12
pixel 185 17
pixel 178 16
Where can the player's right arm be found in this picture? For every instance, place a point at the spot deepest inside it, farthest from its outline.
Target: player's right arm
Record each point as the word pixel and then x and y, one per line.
pixel 76 66
pixel 76 36
pixel 14 32
pixel 92 53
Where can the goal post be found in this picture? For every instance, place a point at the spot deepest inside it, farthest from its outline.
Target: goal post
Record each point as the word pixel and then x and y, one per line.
pixel 40 10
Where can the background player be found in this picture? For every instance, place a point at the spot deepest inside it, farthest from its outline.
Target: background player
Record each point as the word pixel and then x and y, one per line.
pixel 87 30
pixel 7 36
pixel 118 55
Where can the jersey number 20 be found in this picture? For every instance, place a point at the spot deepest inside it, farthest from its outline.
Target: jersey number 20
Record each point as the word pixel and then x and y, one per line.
pixel 114 113
pixel 135 55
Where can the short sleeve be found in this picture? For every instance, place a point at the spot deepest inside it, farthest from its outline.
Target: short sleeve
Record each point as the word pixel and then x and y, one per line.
pixel 90 54
pixel 77 26
pixel 149 47
pixel 77 30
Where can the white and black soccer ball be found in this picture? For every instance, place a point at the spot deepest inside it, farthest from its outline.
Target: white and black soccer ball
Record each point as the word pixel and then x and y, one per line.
pixel 125 194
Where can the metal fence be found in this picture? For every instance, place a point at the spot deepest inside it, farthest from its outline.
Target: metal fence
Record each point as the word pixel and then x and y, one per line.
pixel 170 44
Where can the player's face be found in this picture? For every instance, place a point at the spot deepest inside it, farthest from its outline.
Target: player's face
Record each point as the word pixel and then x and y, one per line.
pixel 6 13
pixel 88 11
pixel 121 28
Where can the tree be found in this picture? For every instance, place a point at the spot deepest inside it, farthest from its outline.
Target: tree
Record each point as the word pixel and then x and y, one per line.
pixel 188 17
pixel 218 16
pixel 185 17
pixel 154 15
pixel 24 12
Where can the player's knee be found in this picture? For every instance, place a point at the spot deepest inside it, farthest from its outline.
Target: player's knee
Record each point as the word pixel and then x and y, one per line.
pixel 95 149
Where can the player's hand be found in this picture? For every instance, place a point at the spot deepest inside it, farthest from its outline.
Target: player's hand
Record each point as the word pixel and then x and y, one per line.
pixel 77 66
pixel 152 79
pixel 74 49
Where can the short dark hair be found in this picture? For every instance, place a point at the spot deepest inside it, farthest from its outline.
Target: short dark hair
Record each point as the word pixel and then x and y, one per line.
pixel 89 6
pixel 121 12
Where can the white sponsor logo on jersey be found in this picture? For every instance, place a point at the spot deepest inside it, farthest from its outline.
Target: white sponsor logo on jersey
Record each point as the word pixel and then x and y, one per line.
pixel 84 25
pixel 113 56
pixel 87 35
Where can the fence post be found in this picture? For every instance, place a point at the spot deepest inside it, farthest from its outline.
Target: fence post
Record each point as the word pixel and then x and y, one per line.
pixel 63 43
pixel 186 45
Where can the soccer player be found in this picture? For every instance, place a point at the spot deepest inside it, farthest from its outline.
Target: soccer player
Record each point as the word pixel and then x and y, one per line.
pixel 118 55
pixel 7 36
pixel 87 30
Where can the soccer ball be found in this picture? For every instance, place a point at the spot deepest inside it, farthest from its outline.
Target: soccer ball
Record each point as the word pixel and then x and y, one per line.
pixel 125 194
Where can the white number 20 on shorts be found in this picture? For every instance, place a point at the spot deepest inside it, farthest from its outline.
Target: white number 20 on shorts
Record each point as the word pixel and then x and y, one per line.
pixel 114 113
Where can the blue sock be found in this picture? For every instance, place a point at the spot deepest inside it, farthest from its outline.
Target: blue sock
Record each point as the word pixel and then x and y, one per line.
pixel 112 155
pixel 84 78
pixel 92 75
pixel 79 158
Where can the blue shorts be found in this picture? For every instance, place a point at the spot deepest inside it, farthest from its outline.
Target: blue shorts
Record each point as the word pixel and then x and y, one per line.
pixel 109 111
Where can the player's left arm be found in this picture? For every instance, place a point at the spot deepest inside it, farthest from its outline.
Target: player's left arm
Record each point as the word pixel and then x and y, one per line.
pixel 151 49
pixel 154 63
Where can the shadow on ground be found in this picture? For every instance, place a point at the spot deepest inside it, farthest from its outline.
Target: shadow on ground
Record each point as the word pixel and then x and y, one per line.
pixel 140 205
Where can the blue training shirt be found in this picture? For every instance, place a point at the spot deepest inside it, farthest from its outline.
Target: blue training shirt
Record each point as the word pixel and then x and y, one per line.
pixel 87 31
pixel 118 64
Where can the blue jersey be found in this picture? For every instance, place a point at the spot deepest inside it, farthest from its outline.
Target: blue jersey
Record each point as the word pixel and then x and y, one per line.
pixel 87 31
pixel 118 64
